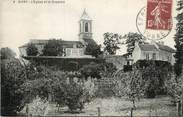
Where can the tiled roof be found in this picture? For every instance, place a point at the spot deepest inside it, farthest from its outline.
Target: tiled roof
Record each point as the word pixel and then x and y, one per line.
pixel 165 48
pixel 152 47
pixel 39 41
pixel 148 47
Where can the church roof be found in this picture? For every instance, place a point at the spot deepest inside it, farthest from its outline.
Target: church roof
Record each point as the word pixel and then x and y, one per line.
pixel 66 44
pixel 85 16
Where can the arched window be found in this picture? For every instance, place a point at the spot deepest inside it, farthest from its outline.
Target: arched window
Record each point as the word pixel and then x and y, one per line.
pixel 80 27
pixel 86 27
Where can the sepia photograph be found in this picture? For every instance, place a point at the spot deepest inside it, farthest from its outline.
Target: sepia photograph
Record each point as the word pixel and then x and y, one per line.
pixel 91 58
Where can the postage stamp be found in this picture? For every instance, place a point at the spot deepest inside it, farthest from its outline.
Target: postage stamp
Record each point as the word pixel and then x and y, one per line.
pixel 154 21
pixel 159 14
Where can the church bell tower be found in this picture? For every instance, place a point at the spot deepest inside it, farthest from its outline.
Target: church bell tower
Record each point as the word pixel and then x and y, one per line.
pixel 85 27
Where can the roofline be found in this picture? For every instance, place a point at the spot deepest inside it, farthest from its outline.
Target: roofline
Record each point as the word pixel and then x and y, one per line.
pixel 58 57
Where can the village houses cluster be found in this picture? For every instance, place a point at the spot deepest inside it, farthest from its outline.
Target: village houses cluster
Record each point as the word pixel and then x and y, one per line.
pixel 76 49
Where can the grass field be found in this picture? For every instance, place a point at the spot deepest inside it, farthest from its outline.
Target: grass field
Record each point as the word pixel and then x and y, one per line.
pixel 159 106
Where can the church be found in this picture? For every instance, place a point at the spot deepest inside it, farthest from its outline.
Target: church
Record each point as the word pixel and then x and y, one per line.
pixel 71 49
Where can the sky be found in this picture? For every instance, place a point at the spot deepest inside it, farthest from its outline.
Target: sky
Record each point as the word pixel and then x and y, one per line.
pixel 20 22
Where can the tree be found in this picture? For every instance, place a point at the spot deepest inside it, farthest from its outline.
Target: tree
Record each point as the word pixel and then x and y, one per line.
pixel 39 82
pixel 131 38
pixel 175 84
pixel 154 74
pixel 147 79
pixel 47 82
pixel 111 42
pixel 93 49
pixel 174 88
pixel 135 87
pixel 91 70
pixel 7 53
pixel 31 50
pixel 179 39
pixel 12 77
pixel 53 48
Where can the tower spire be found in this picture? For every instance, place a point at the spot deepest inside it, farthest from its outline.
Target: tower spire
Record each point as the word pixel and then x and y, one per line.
pixel 85 16
pixel 85 26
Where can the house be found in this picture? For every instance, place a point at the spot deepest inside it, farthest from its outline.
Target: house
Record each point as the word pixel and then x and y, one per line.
pixel 153 51
pixel 70 48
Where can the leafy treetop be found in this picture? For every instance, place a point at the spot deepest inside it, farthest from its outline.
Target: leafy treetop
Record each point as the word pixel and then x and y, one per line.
pixel 53 48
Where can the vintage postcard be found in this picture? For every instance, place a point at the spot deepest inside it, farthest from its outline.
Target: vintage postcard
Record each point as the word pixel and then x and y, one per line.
pixel 91 58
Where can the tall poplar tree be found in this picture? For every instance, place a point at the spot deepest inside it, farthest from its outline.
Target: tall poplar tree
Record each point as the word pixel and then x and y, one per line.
pixel 179 39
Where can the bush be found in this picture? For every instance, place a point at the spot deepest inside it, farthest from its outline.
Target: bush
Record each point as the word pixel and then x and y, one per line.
pixel 93 49
pixel 7 53
pixel 38 107
pixel 175 88
pixel 31 50
pixel 127 68
pixel 12 77
pixel 74 96
pixel 151 78
pixel 53 48
pixel 92 70
pixel 154 75
pixel 108 69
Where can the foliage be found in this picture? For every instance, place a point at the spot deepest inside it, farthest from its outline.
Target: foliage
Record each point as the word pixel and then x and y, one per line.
pixel 131 38
pixel 111 42
pixel 71 93
pixel 142 64
pixel 12 77
pixel 40 82
pixel 53 48
pixel 107 69
pixel 135 88
pixel 129 84
pixel 127 68
pixel 179 40
pixel 175 88
pixel 38 107
pixel 31 50
pixel 175 84
pixel 7 53
pixel 47 82
pixel 147 79
pixel 154 75
pixel 91 70
pixel 95 70
pixel 73 96
pixel 93 49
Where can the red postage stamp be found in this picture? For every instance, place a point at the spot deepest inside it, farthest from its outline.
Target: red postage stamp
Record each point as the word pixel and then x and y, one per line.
pixel 159 15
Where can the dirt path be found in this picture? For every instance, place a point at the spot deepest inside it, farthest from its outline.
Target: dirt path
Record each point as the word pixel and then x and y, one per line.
pixel 121 107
